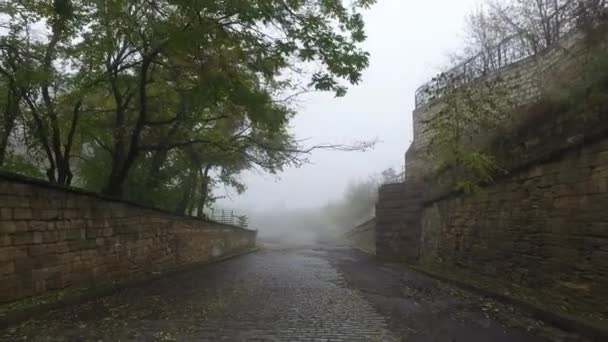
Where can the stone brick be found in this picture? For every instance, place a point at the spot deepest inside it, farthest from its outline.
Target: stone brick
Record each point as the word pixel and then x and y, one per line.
pixel 21 226
pixel 80 245
pixel 37 238
pixel 39 202
pixel 47 272
pixel 6 213
pixel 50 214
pixel 70 234
pixel 41 249
pixel 7 267
pixel 11 253
pixel 77 224
pixel 23 238
pixel 24 265
pixel 61 247
pixel 70 214
pixel 50 236
pixel 7 227
pixel 38 225
pixel 8 283
pixel 22 214
pixel 10 201
pixel 5 240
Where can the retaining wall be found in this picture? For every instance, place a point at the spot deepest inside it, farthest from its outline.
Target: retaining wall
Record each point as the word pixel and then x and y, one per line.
pixel 53 238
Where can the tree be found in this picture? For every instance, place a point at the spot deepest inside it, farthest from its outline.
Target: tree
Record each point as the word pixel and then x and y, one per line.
pixel 145 99
pixel 468 111
pixel 11 94
pixel 42 89
pixel 234 56
pixel 390 176
pixel 524 27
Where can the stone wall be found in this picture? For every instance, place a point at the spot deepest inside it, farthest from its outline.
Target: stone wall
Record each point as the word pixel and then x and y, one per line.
pixel 523 83
pixel 538 235
pixel 398 221
pixel 542 233
pixel 363 237
pixel 54 239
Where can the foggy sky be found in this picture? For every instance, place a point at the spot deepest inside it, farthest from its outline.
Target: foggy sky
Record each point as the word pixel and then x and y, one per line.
pixel 409 41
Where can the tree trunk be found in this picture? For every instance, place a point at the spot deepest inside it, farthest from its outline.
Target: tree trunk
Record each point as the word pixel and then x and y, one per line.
pixel 10 115
pixel 61 164
pixel 64 170
pixel 113 186
pixel 3 147
pixel 42 133
pixel 160 157
pixel 204 191
pixel 191 199
pixel 187 193
pixel 124 157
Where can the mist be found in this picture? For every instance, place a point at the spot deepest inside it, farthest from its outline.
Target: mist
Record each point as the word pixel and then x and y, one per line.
pixel 409 43
pixel 324 223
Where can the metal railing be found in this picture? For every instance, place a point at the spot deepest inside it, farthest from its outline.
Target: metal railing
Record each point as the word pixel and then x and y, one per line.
pixel 509 51
pixel 227 217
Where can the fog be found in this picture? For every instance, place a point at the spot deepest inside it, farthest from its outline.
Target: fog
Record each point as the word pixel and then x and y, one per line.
pixel 324 223
pixel 409 42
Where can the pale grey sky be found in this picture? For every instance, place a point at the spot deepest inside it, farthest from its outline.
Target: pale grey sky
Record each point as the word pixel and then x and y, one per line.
pixel 409 41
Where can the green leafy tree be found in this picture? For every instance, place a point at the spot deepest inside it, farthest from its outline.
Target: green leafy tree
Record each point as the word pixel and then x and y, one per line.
pixel 211 60
pixel 42 85
pixel 469 114
pixel 162 101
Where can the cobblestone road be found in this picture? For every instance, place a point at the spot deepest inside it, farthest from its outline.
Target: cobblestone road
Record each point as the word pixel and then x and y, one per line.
pixel 279 294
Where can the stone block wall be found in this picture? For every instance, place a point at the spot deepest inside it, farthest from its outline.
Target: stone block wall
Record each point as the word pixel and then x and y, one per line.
pixel 398 221
pixel 541 233
pixel 524 83
pixel 363 237
pixel 53 239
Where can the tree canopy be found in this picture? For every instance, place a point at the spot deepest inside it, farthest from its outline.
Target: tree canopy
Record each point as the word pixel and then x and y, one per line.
pixel 159 100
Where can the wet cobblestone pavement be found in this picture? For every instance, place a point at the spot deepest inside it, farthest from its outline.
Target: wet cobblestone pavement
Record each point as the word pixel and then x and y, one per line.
pixel 278 294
